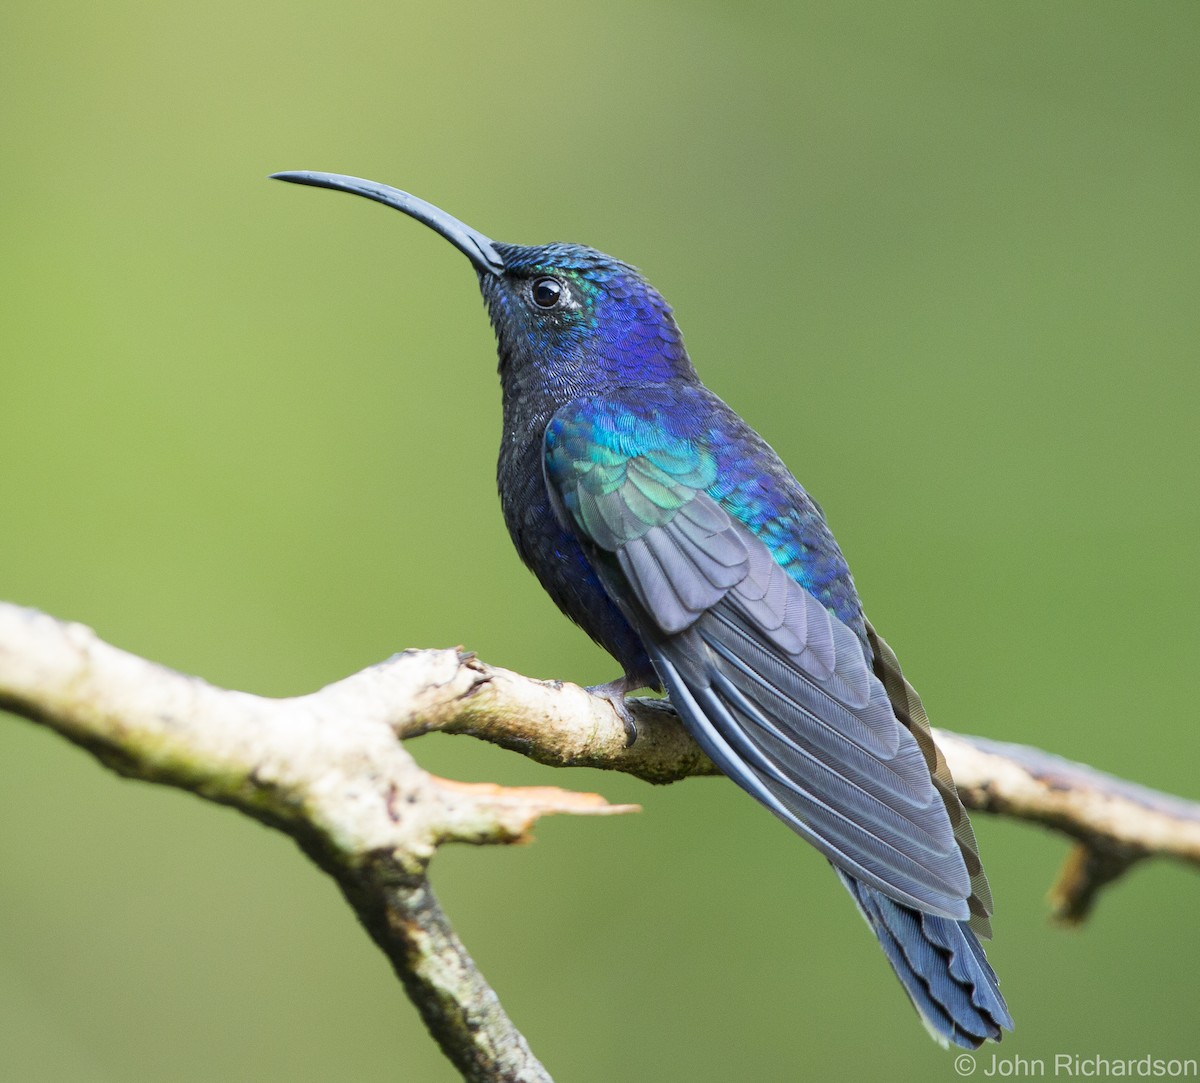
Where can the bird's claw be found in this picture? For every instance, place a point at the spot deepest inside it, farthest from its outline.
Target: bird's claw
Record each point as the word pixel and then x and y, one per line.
pixel 629 722
pixel 615 692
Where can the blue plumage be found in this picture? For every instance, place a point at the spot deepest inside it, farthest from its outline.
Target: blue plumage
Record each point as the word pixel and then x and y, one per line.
pixel 671 532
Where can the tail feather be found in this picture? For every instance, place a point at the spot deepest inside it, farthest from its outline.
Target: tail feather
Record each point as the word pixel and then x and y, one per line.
pixel 910 712
pixel 942 967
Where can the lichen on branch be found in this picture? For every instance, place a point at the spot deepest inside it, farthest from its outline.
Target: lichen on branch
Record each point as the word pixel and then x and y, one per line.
pixel 331 769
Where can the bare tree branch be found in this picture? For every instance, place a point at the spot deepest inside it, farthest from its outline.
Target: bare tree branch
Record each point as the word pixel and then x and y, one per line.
pixel 327 769
pixel 1113 822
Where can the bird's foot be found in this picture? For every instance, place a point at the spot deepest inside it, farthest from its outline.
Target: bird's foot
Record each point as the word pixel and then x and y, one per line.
pixel 615 692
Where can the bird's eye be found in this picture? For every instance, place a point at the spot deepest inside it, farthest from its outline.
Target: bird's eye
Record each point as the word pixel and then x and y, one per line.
pixel 546 292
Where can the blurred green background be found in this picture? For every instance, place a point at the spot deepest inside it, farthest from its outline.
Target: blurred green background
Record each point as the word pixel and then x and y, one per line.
pixel 944 256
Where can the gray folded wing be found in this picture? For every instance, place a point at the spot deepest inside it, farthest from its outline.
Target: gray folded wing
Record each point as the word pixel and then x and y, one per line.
pixel 779 693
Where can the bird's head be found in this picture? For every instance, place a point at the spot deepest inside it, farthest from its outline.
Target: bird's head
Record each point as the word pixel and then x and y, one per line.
pixel 567 318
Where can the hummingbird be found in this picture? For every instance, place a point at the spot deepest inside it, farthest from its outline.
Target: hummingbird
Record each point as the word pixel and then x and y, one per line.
pixel 665 527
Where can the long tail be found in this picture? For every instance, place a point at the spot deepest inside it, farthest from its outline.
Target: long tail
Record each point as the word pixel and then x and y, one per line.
pixel 941 965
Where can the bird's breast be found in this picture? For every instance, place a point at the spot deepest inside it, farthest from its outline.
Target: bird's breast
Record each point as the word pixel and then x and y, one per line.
pixel 551 551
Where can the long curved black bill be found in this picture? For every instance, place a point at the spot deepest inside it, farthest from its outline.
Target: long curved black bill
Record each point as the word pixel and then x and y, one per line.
pixel 473 244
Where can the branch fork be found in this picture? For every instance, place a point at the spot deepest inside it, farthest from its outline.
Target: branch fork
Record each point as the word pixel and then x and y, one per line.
pixel 328 769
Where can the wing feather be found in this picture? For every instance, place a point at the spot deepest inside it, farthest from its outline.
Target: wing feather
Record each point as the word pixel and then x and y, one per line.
pixel 778 691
